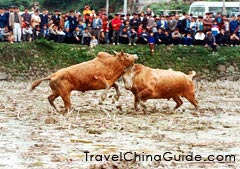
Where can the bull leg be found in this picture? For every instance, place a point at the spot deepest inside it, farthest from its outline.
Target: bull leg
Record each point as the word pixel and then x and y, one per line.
pixel 117 91
pixel 66 100
pixel 144 95
pixel 178 101
pixel 51 98
pixel 104 95
pixel 191 98
pixel 136 101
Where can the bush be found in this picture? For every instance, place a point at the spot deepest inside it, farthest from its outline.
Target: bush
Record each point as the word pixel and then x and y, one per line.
pixel 47 55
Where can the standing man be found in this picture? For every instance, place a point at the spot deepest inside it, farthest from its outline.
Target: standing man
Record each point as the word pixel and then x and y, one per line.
pixel 56 17
pixel 97 25
pixel 26 16
pixel 116 24
pixel 16 23
pixel 44 18
pixel 3 18
pixel 72 21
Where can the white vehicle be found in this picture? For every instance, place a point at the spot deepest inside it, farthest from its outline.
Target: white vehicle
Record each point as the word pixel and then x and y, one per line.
pixel 199 8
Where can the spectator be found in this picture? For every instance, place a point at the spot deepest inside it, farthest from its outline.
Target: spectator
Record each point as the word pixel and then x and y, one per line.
pixel 7 35
pixel 143 19
pixel 87 12
pixel 176 37
pixel 15 22
pixel 172 23
pixel 159 36
pixel 56 18
pixel 234 39
pixel 200 24
pixel 123 36
pixel 105 28
pixel 151 24
pixel 61 35
pixel 27 33
pixel 167 39
pixel 132 36
pixel 143 39
pixel 72 21
pixel 221 38
pixel 219 20
pixel 87 19
pixel 45 31
pixel 93 42
pixel 10 37
pixel 151 42
pixel 97 25
pixel 3 18
pixel 134 22
pixel 77 35
pixel 199 38
pixel 215 28
pixel 53 33
pixel 207 22
pixel 188 41
pixel 43 18
pixel 116 23
pixel 37 32
pixel 149 12
pixel 35 19
pixel 86 37
pixel 26 16
pixel 193 26
pixel 102 38
pixel 211 41
pixel 68 38
pixel 185 25
pixel 233 24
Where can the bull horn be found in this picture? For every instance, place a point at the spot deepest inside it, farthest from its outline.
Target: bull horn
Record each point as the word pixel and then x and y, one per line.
pixel 135 57
pixel 114 52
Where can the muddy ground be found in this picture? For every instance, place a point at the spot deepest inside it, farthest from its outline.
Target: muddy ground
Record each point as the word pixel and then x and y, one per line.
pixel 33 135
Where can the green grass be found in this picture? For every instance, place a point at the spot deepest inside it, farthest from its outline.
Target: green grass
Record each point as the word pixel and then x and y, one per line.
pixel 46 55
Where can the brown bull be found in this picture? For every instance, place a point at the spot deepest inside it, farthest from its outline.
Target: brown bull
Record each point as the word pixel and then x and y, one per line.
pixel 147 83
pixel 99 73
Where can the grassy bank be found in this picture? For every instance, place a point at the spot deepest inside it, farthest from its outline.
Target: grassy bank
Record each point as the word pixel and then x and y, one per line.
pixel 39 57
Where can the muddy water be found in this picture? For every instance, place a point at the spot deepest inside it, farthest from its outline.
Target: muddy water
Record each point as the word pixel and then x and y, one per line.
pixel 33 135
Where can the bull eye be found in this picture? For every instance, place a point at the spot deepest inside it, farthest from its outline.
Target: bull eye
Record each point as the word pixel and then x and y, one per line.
pixel 127 55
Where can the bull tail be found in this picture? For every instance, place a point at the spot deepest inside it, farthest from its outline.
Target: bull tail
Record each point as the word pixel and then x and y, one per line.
pixel 37 82
pixel 193 73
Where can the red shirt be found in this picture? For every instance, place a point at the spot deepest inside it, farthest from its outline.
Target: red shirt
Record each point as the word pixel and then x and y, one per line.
pixel 116 24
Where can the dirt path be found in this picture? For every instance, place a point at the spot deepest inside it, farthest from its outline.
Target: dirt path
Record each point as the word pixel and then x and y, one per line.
pixel 32 135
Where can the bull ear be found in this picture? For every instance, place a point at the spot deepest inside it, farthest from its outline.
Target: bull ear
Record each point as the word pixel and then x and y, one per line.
pixel 114 52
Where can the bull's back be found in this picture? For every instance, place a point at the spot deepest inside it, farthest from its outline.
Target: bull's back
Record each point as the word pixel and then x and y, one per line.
pixel 163 83
pixel 84 76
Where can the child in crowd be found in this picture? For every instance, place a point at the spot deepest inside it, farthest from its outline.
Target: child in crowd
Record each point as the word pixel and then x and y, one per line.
pixel 151 42
pixel 93 42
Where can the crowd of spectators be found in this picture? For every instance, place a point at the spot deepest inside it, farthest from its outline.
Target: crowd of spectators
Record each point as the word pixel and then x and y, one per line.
pixel 91 28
